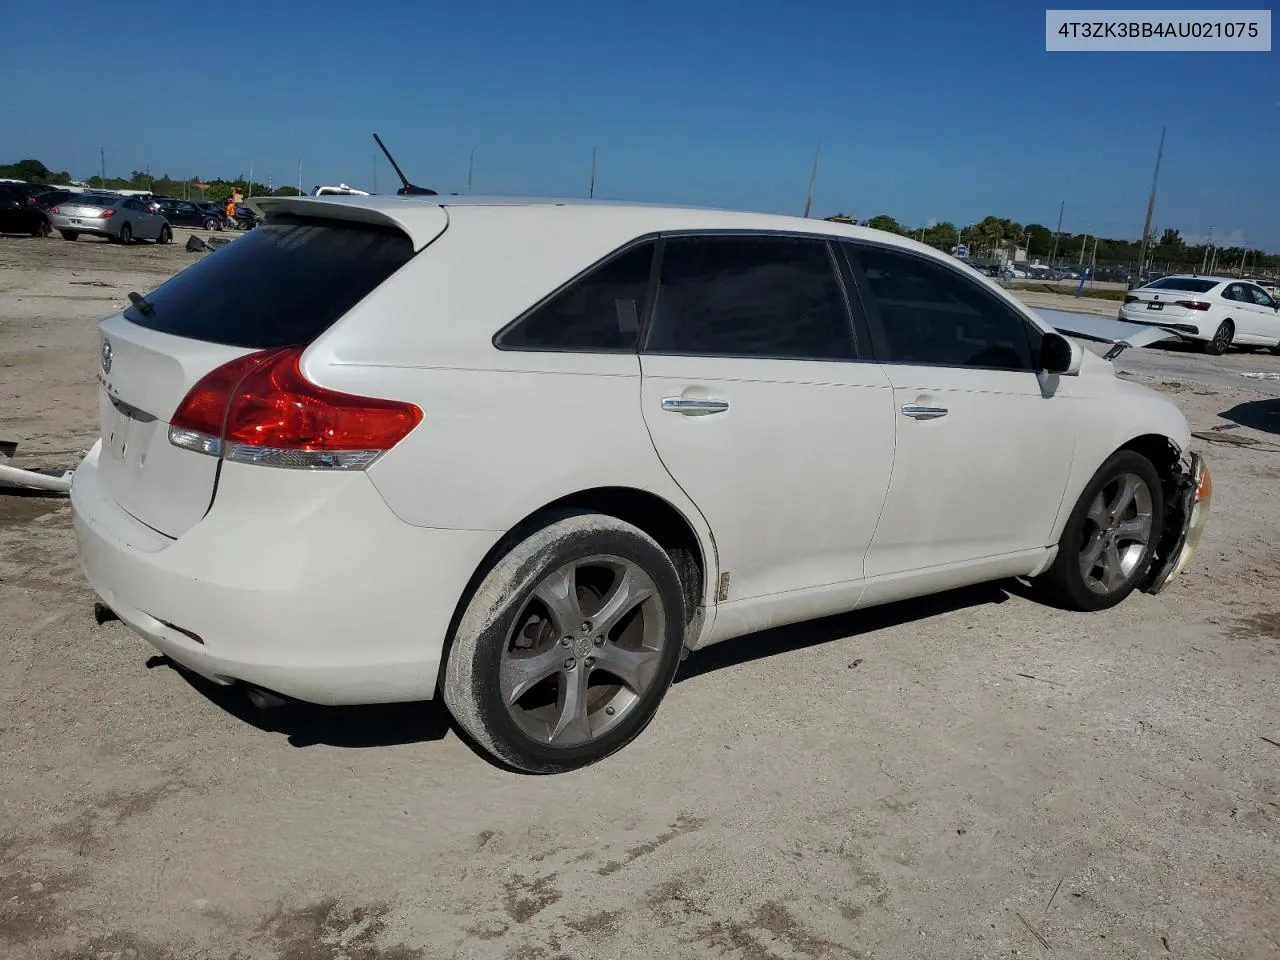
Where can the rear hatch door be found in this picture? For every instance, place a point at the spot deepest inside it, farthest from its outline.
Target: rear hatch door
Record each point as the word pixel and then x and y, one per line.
pixel 282 284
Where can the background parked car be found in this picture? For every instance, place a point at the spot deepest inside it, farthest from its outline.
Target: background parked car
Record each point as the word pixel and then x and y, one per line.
pixel 123 219
pixel 20 214
pixel 1218 312
pixel 185 213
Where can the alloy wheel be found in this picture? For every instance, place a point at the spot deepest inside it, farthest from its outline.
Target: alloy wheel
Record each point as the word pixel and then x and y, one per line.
pixel 584 650
pixel 1117 533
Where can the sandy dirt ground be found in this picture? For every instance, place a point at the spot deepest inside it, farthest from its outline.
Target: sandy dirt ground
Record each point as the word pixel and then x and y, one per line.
pixel 970 776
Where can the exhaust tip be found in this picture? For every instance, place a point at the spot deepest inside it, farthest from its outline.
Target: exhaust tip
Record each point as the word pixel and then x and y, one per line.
pixel 103 614
pixel 264 699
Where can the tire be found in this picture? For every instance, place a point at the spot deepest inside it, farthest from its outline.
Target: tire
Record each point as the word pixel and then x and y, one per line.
pixel 166 235
pixel 1222 338
pixel 126 233
pixel 68 234
pixel 1086 534
pixel 518 661
pixel 211 224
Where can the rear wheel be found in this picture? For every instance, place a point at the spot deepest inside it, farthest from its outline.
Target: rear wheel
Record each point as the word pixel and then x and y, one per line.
pixel 126 233
pixel 568 645
pixel 211 224
pixel 1222 338
pixel 166 235
pixel 68 234
pixel 1109 539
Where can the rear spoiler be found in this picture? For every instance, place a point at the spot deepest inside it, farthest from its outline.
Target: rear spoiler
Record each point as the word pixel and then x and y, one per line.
pixel 1121 334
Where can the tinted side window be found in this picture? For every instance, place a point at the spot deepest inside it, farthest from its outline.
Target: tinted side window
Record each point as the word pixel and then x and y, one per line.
pixel 1232 292
pixel 772 297
pixel 599 311
pixel 930 314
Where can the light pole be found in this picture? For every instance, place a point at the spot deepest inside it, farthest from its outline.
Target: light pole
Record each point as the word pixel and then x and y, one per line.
pixel 1083 241
pixel 1204 264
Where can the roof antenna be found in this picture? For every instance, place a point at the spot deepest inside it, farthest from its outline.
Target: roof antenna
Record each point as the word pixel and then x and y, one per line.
pixel 408 190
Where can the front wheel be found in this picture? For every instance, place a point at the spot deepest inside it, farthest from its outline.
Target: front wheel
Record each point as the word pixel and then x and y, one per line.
pixel 1110 537
pixel 166 235
pixel 126 233
pixel 1222 338
pixel 568 645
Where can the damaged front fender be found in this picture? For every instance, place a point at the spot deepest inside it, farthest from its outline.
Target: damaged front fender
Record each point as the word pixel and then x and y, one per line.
pixel 1187 502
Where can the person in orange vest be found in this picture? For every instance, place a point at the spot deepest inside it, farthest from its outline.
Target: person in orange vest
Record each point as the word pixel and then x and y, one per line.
pixel 230 208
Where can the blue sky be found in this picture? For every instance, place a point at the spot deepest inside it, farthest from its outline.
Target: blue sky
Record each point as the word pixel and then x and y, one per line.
pixel 930 110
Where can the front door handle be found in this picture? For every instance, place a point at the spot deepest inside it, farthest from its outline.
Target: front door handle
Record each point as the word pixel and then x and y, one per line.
pixel 917 412
pixel 693 406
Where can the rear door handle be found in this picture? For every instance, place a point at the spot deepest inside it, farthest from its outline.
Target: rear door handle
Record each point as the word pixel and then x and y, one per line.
pixel 693 406
pixel 917 412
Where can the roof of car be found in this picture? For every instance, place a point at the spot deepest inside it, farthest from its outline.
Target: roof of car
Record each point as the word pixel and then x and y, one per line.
pixel 419 216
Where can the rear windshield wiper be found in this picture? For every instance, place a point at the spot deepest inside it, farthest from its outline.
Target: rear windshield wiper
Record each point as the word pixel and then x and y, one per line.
pixel 145 307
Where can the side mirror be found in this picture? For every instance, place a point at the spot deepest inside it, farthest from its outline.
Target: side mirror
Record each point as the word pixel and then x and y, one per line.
pixel 1060 355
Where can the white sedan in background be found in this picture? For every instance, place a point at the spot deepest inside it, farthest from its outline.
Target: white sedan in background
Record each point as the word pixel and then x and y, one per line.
pixel 1218 312
pixel 523 455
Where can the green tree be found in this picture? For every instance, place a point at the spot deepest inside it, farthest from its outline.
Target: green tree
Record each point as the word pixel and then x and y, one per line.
pixel 882 221
pixel 943 236
pixel 1040 240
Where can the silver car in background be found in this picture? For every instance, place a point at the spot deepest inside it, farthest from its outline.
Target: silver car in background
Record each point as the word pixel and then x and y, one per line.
pixel 121 219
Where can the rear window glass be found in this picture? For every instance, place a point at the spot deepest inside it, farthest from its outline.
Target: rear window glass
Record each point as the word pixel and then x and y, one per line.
pixel 281 284
pixel 1190 284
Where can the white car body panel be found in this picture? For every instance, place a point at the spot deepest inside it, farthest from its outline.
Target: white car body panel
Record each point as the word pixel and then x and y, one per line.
pixel 812 492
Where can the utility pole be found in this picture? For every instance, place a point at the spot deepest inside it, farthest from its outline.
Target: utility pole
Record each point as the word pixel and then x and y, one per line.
pixel 249 192
pixel 813 176
pixel 591 187
pixel 471 166
pixel 1204 263
pixel 375 173
pixel 1151 205
pixel 102 156
pixel 1082 244
pixel 1057 233
pixel 299 176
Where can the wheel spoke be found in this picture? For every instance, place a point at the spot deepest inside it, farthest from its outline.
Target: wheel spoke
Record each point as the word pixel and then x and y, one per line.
pixel 571 708
pixel 635 668
pixel 518 674
pixel 1125 495
pixel 631 588
pixel 1137 529
pixel 559 594
pixel 1099 513
pixel 1112 571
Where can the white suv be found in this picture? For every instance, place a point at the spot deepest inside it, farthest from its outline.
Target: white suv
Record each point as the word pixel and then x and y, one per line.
pixel 525 454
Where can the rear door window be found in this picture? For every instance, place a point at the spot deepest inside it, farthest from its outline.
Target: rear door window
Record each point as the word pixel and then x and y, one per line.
pixel 748 296
pixel 281 284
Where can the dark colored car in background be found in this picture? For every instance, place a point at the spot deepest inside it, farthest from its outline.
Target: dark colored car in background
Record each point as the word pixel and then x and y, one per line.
pixel 19 211
pixel 184 213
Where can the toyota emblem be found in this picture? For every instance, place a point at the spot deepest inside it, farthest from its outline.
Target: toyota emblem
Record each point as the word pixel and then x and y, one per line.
pixel 106 355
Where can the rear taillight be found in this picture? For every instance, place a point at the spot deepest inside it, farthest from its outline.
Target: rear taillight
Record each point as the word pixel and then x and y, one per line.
pixel 106 213
pixel 260 409
pixel 1193 304
pixel 1130 298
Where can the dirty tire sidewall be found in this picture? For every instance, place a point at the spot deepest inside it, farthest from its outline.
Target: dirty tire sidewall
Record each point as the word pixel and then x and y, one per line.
pixel 166 235
pixel 1065 580
pixel 471 674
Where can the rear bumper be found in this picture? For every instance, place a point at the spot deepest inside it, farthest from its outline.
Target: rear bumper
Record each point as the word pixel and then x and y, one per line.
pixel 300 582
pixel 1151 318
pixel 85 225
